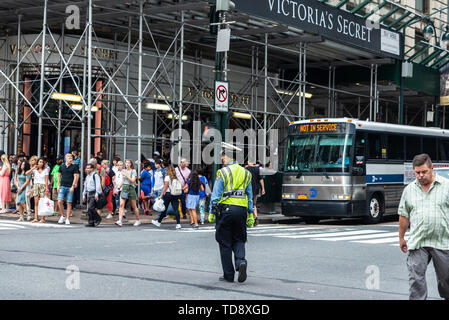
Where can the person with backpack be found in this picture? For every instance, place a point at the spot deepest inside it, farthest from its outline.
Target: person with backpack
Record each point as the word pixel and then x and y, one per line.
pixel 203 194
pixel 91 193
pixel 183 173
pixel 193 188
pixel 128 192
pixel 102 173
pixel 108 186
pixel 171 194
pixel 158 181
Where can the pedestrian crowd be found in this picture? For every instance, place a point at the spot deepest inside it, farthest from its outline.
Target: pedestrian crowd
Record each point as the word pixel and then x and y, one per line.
pixel 108 188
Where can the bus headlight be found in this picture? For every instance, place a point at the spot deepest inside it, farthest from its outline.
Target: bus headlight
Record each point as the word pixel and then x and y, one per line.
pixel 341 197
pixel 287 196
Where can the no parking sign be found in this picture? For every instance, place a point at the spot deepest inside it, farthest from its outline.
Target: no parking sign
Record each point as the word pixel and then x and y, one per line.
pixel 221 96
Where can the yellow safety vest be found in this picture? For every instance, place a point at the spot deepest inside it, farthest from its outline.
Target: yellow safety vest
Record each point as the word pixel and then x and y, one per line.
pixel 236 179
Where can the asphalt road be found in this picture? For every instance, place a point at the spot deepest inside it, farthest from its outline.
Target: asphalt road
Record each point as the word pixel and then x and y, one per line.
pixel 331 260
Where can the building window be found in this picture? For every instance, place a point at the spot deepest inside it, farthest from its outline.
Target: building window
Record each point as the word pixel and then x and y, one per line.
pixel 422 5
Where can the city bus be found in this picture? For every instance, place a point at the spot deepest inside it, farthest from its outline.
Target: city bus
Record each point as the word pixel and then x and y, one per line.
pixel 344 168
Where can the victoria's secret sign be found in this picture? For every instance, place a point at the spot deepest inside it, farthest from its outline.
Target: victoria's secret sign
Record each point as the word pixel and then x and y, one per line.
pixel 319 18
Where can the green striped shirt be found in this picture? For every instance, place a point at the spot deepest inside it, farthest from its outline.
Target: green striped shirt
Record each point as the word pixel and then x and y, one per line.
pixel 428 213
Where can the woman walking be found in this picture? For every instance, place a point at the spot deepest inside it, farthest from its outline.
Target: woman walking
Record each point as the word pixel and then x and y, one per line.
pixel 109 186
pixel 129 177
pixel 40 188
pixel 22 181
pixel 171 194
pixel 203 195
pixel 158 181
pixel 29 189
pixel 193 188
pixel 5 184
pixel 145 186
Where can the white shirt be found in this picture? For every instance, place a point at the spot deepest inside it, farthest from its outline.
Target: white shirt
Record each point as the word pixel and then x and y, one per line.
pixel 167 179
pixel 39 177
pixel 118 181
pixel 158 180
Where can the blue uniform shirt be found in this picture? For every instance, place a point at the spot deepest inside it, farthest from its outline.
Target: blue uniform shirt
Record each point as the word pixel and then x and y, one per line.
pixel 219 188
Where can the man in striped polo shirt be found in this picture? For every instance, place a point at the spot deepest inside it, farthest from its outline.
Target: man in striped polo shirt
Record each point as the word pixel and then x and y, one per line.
pixel 424 207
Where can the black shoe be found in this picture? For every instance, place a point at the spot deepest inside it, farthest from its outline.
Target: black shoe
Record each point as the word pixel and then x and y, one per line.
pixel 97 223
pixel 242 272
pixel 224 279
pixel 90 225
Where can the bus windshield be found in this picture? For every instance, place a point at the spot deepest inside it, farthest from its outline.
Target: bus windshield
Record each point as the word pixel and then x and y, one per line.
pixel 319 153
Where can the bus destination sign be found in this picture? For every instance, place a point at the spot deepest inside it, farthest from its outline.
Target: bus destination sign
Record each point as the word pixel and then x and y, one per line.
pixel 317 128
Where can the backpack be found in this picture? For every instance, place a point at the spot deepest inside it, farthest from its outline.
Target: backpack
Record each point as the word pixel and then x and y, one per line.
pixel 175 187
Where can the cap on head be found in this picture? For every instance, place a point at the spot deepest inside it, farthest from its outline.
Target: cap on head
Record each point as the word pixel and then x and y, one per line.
pixel 156 153
pixel 59 157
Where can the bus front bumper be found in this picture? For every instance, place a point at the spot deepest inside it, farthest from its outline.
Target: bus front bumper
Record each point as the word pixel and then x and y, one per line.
pixel 328 209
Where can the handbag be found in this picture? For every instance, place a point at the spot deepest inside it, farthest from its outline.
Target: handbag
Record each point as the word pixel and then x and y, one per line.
pixel 159 205
pixel 46 207
pixel 124 194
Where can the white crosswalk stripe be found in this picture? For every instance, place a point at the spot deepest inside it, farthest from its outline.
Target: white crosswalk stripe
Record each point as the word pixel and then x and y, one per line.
pixel 15 225
pixel 330 234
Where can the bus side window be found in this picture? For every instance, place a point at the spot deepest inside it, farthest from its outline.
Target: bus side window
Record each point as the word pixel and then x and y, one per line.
pixel 412 147
pixel 430 147
pixel 360 142
pixel 443 149
pixel 374 146
pixel 395 147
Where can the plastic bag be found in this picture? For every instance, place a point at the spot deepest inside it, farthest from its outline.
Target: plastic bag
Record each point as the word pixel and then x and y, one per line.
pixel 159 205
pixel 46 207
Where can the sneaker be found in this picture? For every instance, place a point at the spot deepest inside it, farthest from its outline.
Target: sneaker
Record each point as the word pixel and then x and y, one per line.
pixel 118 223
pixel 67 221
pixel 61 220
pixel 178 226
pixel 137 223
pixel 156 223
pixel 109 216
pixel 124 219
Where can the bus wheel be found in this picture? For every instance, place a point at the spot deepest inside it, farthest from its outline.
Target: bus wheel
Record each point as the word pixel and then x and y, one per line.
pixel 311 220
pixel 375 210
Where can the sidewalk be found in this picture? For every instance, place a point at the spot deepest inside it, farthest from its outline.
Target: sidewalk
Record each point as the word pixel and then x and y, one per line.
pixel 76 215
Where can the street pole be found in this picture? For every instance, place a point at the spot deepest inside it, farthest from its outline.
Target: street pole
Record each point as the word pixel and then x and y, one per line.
pixel 221 119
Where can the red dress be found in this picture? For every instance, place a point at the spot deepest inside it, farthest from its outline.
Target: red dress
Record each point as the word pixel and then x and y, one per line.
pixel 5 188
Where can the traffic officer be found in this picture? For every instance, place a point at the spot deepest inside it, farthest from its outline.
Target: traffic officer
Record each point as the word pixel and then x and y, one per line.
pixel 230 202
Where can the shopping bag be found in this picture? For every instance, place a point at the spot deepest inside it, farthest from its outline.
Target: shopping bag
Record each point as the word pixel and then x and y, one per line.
pixel 46 207
pixel 159 205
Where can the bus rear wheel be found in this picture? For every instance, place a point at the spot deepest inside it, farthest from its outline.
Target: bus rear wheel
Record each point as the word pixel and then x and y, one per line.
pixel 375 210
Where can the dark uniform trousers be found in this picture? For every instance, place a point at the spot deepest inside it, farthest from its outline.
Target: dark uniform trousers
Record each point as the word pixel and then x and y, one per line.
pixel 92 215
pixel 231 237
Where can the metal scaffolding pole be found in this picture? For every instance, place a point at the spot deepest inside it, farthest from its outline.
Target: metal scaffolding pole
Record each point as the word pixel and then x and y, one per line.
pixel 16 126
pixel 127 86
pixel 58 147
pixel 371 94
pixel 265 101
pixel 89 81
pixel 139 85
pixel 41 93
pixel 83 121
pixel 181 79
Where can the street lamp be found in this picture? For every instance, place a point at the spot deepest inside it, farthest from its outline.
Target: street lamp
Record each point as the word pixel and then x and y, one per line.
pixel 429 31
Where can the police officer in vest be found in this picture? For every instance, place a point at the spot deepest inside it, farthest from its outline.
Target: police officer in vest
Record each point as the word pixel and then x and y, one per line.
pixel 231 206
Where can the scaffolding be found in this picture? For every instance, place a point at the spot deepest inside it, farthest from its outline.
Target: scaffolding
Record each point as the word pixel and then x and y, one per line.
pixel 130 53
